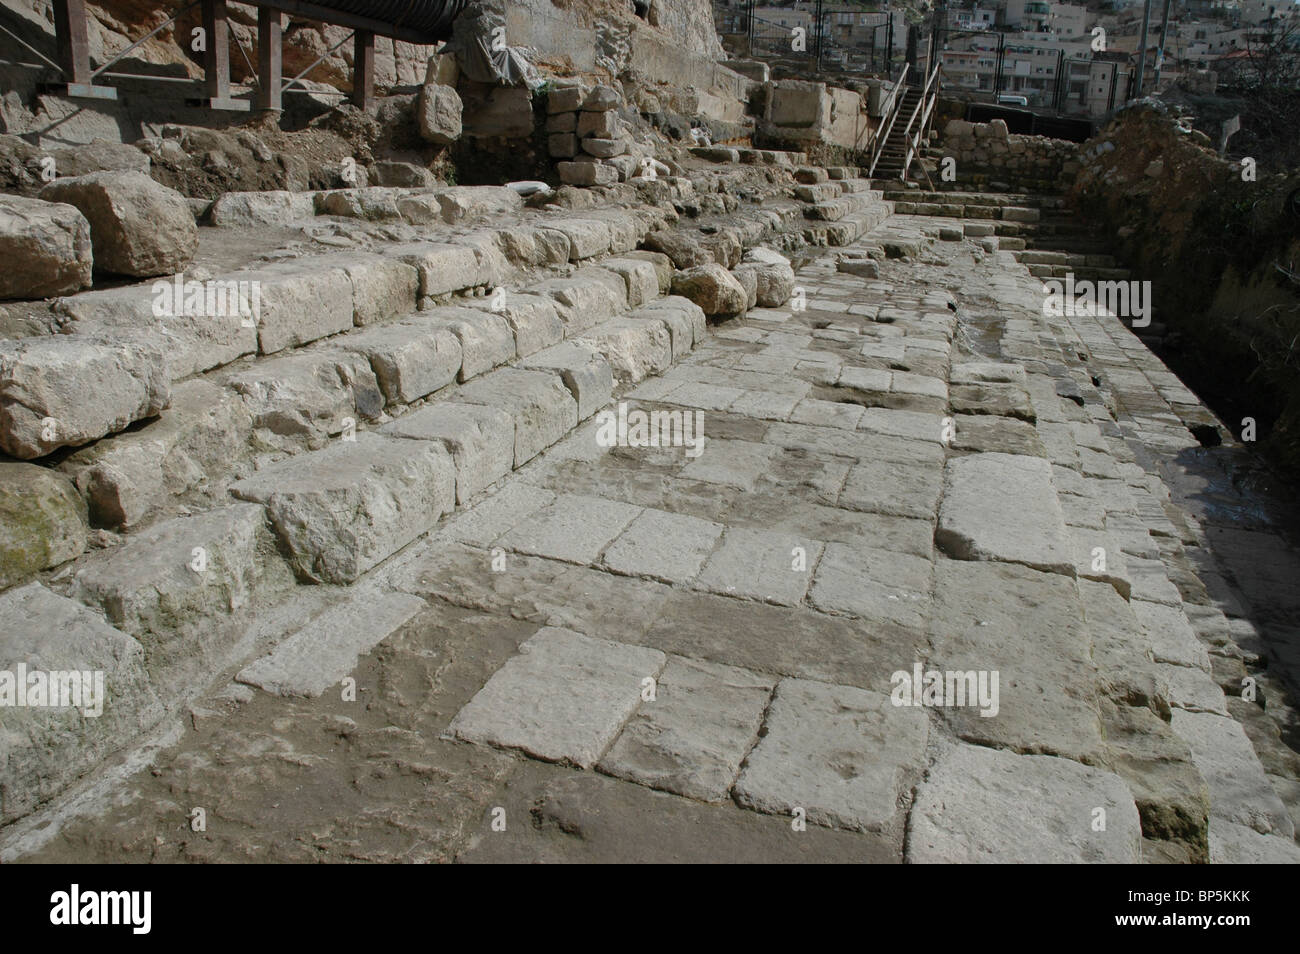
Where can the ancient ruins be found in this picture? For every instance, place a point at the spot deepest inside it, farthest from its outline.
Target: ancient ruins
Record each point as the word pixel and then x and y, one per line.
pixel 528 431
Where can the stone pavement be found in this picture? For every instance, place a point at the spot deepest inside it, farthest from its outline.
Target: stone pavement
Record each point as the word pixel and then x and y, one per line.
pixel 647 654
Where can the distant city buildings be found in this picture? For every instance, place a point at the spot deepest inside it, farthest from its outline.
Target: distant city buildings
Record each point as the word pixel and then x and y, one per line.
pixel 1070 57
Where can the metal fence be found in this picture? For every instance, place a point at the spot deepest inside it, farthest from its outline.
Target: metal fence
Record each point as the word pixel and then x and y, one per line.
pixel 825 36
pixel 991 67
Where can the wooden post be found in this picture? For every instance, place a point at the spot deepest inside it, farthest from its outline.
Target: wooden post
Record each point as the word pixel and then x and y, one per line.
pixel 363 70
pixel 270 60
pixel 71 34
pixel 216 58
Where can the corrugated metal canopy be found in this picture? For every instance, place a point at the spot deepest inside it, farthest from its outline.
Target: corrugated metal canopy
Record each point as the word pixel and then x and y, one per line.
pixel 421 21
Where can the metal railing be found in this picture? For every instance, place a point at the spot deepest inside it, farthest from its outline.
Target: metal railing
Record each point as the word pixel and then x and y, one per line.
pixel 924 107
pixel 864 44
pixel 887 117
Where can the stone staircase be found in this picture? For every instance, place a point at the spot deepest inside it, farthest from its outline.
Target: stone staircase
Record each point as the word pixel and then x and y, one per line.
pixel 894 152
pixel 1038 229
pixel 247 476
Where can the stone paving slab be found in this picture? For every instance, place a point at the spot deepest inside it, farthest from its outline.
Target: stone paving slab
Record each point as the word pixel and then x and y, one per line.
pixel 1239 790
pixel 666 546
pixel 1003 507
pixel 324 651
pixel 843 755
pixel 564 698
pixel 987 806
pixel 874 584
pixel 692 738
pixel 573 528
pixel 1027 627
pixel 761 565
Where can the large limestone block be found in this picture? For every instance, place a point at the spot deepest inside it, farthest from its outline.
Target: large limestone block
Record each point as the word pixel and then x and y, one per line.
pixel 641 277
pixel 299 303
pixel 311 394
pixel 447 268
pixel 486 339
pixel 713 288
pixel 464 204
pixel 1240 791
pixel 382 287
pixel 135 474
pixel 137 226
pixel 524 245
pixel 634 347
pixel 251 209
pixel 685 249
pixel 202 325
pixel 368 203
pixel 587 237
pixel 533 319
pixel 42 748
pixel 481 441
pixel 181 574
pixel 342 510
pixel 586 298
pixel 583 369
pixel 64 391
pixel 981 805
pixel 1004 507
pixel 45 247
pixel 438 114
pixel 542 407
pixel 410 358
pixel 694 314
pixel 42 521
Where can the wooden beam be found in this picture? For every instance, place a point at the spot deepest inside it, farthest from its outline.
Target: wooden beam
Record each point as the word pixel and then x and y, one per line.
pixel 363 70
pixel 216 58
pixel 270 60
pixel 305 10
pixel 72 37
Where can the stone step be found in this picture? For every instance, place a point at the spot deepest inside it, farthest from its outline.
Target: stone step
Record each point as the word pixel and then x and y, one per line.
pixel 834 209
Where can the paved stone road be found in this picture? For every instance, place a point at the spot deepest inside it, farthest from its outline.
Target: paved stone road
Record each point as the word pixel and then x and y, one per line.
pixel 642 654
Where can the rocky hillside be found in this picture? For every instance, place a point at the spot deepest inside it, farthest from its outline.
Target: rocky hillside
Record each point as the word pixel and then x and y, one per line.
pixel 116 24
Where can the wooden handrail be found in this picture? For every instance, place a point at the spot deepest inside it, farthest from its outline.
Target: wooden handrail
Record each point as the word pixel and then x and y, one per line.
pixel 927 100
pixel 895 107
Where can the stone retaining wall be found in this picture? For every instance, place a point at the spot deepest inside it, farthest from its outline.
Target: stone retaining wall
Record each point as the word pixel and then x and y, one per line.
pixel 988 157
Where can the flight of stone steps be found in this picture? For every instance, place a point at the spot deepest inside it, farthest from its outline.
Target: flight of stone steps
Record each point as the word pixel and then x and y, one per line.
pixel 1037 228
pixel 239 473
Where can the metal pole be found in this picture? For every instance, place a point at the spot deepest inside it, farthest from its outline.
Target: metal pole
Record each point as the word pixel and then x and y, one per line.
pixel 1164 32
pixel 889 42
pixel 1142 52
pixel 1060 68
pixel 997 75
pixel 817 26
